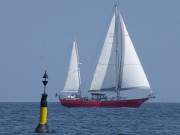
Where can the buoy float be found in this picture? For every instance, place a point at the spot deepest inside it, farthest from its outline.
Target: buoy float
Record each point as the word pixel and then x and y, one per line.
pixel 42 126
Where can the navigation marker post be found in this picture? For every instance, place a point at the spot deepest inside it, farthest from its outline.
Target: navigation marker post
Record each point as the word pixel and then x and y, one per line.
pixel 42 126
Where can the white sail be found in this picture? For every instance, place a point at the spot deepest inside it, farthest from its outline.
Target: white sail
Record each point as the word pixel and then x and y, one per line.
pixel 133 75
pixel 104 77
pixel 72 83
pixel 119 66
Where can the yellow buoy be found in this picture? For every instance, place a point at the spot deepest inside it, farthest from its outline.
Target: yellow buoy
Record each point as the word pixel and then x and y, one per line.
pixel 42 126
pixel 43 115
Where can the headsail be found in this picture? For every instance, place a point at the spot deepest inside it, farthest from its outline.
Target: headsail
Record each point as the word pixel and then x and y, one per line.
pixel 73 80
pixel 133 75
pixel 104 77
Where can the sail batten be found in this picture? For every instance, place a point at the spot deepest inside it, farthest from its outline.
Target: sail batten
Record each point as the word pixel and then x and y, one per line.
pixel 73 81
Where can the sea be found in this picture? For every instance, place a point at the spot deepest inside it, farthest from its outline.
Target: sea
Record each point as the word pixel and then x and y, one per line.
pixel 149 119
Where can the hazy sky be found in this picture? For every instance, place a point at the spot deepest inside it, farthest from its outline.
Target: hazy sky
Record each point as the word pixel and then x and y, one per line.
pixel 38 35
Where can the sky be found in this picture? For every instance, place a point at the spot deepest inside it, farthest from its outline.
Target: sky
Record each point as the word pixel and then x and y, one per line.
pixel 38 35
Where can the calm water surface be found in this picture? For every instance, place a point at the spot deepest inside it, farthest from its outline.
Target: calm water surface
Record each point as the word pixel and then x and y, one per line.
pixel 150 119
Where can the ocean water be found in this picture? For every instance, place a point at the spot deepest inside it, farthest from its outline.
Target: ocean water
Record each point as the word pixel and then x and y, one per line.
pixel 149 119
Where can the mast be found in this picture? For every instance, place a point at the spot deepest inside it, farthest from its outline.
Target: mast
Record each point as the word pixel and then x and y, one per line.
pixel 79 75
pixel 117 53
pixel 122 58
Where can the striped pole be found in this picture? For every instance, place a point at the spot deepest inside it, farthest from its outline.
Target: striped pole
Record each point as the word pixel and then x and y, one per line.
pixel 42 126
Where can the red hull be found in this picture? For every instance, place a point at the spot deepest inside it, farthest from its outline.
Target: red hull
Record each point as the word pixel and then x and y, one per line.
pixel 132 103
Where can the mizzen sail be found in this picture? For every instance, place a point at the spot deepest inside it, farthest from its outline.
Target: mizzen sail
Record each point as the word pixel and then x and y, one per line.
pixel 73 80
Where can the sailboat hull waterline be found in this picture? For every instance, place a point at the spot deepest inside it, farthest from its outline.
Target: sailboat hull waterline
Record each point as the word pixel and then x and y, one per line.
pixel 130 103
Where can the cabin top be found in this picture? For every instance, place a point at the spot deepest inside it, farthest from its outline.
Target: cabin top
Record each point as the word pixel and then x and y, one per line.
pixel 98 94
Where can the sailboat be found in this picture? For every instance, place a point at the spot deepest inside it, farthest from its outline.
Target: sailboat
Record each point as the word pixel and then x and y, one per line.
pixel 118 69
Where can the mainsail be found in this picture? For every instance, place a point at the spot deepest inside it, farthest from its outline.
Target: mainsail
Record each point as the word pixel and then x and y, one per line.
pixel 73 80
pixel 105 74
pixel 119 67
